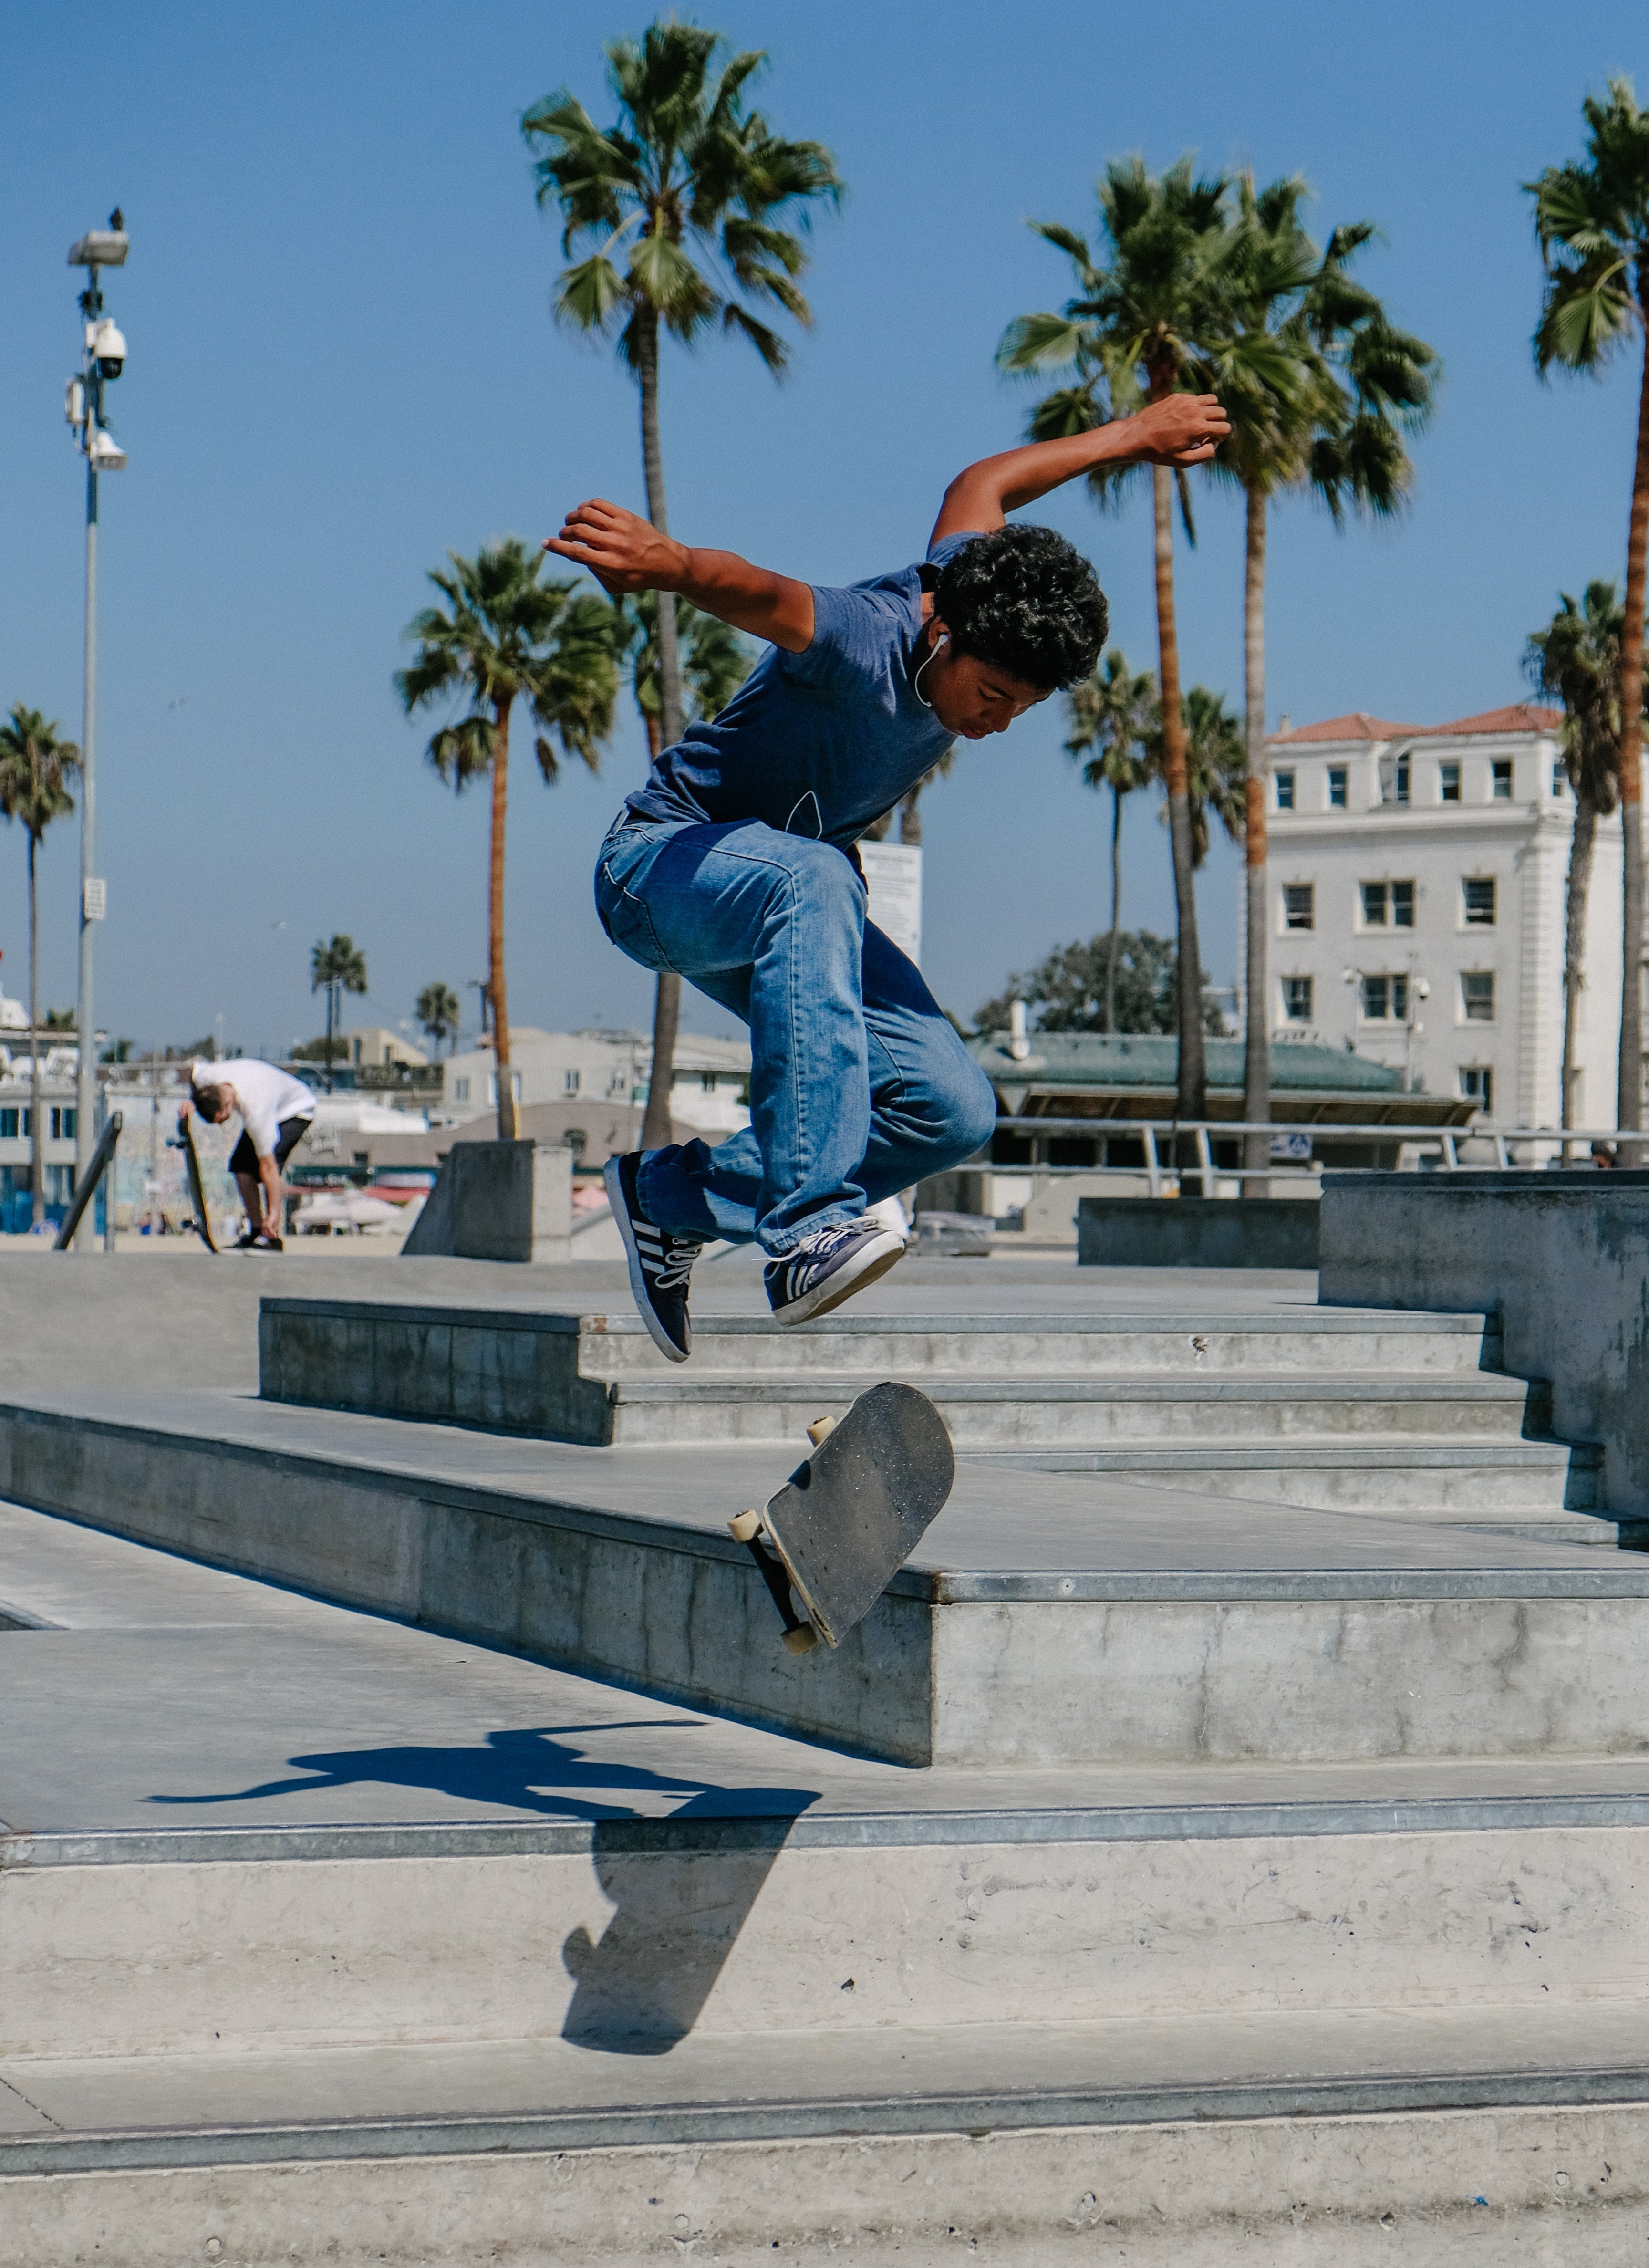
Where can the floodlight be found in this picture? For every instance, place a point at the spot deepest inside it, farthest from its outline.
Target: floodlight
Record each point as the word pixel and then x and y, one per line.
pixel 99 247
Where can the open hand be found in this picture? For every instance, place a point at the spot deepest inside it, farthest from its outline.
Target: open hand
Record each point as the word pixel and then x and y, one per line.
pixel 1182 429
pixel 620 549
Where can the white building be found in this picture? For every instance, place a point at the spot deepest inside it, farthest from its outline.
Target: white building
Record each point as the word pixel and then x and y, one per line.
pixel 599 1066
pixel 1418 880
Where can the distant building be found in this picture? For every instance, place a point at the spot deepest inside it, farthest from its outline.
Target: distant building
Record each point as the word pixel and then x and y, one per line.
pixel 59 1067
pixel 374 1044
pixel 1418 898
pixel 597 1066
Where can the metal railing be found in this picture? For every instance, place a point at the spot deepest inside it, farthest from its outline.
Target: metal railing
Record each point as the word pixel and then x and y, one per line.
pixel 101 1163
pixel 1440 1141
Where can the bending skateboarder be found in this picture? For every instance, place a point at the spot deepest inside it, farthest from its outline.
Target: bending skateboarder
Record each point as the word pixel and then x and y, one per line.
pixel 276 1110
pixel 734 865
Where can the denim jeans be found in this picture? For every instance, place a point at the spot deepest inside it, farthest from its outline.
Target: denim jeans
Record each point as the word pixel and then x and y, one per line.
pixel 858 1086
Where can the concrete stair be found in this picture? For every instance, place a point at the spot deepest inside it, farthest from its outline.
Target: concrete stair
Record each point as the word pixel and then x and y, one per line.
pixel 1343 1409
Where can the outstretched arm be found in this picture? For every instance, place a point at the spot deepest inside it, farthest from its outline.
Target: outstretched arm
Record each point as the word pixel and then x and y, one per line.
pixel 626 553
pixel 1183 429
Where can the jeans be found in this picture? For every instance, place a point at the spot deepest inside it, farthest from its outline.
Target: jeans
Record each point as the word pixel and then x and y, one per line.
pixel 858 1086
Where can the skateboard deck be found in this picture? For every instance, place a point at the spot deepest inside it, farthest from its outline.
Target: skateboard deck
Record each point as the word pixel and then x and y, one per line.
pixel 197 1194
pixel 829 1542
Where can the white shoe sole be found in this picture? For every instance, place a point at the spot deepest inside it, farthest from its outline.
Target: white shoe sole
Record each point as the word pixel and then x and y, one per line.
pixel 639 1292
pixel 870 1261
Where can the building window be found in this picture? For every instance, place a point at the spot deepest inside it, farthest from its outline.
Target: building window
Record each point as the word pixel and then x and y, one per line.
pixel 460 1090
pixel 8 1125
pixel 1393 779
pixel 619 1082
pixel 1479 901
pixel 1336 787
pixel 1477 1086
pixel 1298 908
pixel 570 1082
pixel 707 1081
pixel 1297 1000
pixel 1477 992
pixel 1501 790
pixel 1286 790
pixel 1559 780
pixel 1448 783
pixel 63 1124
pixel 1385 999
pixel 1387 905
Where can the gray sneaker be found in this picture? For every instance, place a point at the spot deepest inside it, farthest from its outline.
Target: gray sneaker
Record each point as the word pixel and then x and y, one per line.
pixel 829 1267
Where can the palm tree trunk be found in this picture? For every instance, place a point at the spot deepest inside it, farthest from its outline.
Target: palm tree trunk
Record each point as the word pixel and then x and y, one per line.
pixel 1574 948
pixel 666 999
pixel 1256 1044
pixel 1191 1099
pixel 37 1147
pixel 1116 906
pixel 1628 1103
pixel 507 1121
pixel 911 816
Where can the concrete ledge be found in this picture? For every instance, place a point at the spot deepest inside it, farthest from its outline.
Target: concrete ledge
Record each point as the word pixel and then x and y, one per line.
pixel 1562 1258
pixel 1197 1232
pixel 497 1200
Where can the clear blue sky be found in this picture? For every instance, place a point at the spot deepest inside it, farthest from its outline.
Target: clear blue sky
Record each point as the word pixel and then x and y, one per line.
pixel 343 363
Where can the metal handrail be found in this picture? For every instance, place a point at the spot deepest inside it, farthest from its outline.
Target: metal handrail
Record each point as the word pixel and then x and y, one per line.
pixel 102 1160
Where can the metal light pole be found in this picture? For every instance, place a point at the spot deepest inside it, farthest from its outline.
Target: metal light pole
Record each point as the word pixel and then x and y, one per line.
pixel 103 356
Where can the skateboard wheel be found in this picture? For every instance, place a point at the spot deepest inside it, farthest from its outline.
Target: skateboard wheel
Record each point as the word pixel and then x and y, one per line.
pixel 746 1528
pixel 802 1640
pixel 820 1427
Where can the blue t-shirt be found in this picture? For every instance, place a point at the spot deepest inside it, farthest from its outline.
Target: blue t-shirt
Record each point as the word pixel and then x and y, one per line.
pixel 822 742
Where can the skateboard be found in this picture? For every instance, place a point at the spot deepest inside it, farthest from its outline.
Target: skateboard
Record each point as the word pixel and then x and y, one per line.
pixel 851 1515
pixel 192 1166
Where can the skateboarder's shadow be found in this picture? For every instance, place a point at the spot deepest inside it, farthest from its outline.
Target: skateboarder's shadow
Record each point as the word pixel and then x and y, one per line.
pixel 682 1883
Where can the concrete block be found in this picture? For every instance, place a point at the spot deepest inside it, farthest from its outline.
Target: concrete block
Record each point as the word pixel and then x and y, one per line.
pixel 498 1201
pixel 1196 1232
pixel 1563 1259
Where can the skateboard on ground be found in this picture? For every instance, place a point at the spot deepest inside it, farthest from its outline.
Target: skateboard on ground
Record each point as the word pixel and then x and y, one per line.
pixel 850 1516
pixel 192 1166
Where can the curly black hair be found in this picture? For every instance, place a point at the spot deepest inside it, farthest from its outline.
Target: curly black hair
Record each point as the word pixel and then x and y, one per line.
pixel 1024 601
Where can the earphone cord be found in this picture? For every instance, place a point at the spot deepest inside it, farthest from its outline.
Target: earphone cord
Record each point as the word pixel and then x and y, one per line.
pixel 916 682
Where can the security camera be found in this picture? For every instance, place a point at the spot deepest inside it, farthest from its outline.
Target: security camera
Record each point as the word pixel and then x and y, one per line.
pixel 1422 990
pixel 107 342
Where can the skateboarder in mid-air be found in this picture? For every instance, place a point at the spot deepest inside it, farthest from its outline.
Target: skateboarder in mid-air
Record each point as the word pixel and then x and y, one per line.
pixel 275 1110
pixel 734 865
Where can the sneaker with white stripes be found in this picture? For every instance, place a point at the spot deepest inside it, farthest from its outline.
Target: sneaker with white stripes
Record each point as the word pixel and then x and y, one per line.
pixel 660 1262
pixel 829 1267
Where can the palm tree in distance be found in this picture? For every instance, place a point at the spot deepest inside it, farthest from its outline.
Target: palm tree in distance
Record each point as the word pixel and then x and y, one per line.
pixel 701 187
pixel 714 659
pixel 1576 659
pixel 439 1013
pixel 909 807
pixel 1216 768
pixel 35 766
pixel 1141 327
pixel 1319 388
pixel 1109 715
pixel 1593 223
pixel 336 967
pixel 508 633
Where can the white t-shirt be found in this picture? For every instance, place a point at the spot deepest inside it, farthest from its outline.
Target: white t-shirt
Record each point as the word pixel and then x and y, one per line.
pixel 266 1094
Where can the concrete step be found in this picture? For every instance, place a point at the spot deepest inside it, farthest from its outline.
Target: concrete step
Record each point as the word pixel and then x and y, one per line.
pixel 568 1377
pixel 1045 1620
pixel 1355 2142
pixel 1449 2137
pixel 1464 1406
pixel 1525 1487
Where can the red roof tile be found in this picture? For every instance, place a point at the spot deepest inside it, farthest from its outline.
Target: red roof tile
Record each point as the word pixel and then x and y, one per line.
pixel 1359 726
pixel 1519 717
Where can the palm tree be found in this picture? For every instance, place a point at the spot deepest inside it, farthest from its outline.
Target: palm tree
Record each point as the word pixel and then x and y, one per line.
pixel 336 968
pixel 715 661
pixel 508 633
pixel 1576 660
pixel 1593 223
pixel 1142 326
pixel 1319 388
pixel 700 185
pixel 35 764
pixel 439 1013
pixel 909 806
pixel 1109 715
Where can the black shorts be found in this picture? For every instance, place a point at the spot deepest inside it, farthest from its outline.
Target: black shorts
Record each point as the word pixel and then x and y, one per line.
pixel 243 1158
